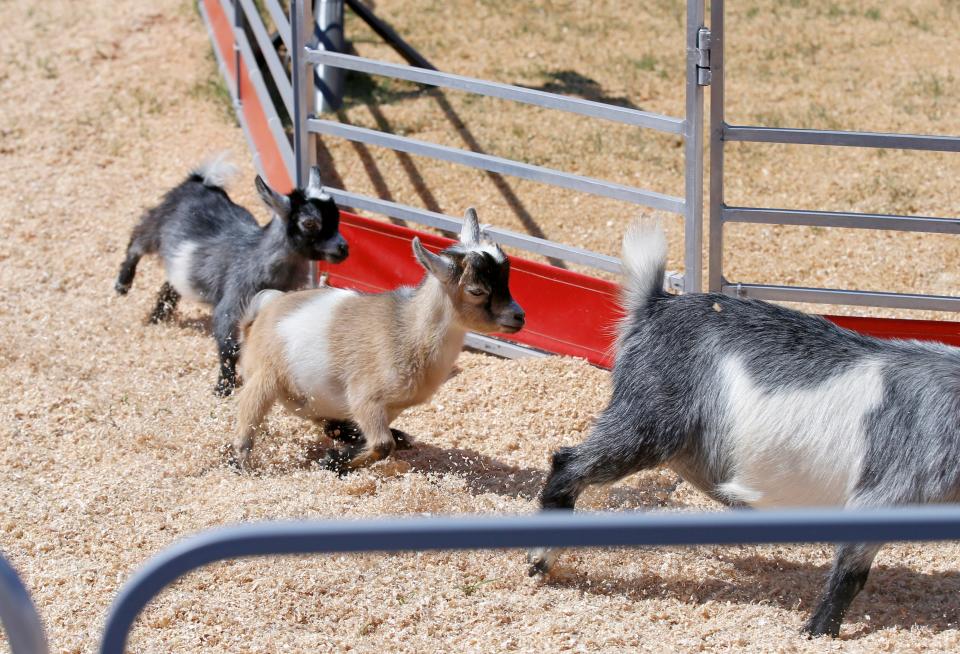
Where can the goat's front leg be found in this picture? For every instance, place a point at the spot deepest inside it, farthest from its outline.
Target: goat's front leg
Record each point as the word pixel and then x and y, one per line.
pixel 377 442
pixel 225 318
pixel 847 578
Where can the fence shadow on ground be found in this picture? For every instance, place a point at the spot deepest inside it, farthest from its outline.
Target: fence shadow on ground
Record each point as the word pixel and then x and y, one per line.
pixel 894 597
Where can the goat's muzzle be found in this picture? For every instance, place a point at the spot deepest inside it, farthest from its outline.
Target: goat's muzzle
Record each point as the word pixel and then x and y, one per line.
pixel 512 319
pixel 336 250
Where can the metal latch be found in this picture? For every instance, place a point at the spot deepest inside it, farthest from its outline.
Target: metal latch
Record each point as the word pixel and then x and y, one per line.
pixel 703 56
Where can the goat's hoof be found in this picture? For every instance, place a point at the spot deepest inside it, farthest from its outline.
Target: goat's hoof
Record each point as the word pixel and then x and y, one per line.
pixel 121 289
pixel 401 439
pixel 816 628
pixel 344 431
pixel 337 461
pixel 223 389
pixel 239 462
pixel 541 561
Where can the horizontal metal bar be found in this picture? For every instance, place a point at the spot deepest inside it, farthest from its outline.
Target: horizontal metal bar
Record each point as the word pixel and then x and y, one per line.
pixel 280 21
pixel 277 71
pixel 840 219
pixel 625 115
pixel 499 165
pixel 555 529
pixel 841 138
pixel 495 234
pixel 501 348
pixel 836 296
pixel 21 623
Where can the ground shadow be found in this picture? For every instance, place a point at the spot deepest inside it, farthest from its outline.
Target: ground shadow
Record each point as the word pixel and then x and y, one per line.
pixel 201 325
pixel 895 596
pixel 570 82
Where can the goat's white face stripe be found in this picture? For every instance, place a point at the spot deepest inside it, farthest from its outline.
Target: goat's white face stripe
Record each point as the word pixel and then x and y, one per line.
pixel 178 270
pixel 489 248
pixel 305 338
pixel 800 447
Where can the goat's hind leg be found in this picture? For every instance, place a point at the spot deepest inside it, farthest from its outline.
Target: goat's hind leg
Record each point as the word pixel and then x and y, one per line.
pixel 167 300
pixel 617 447
pixel 847 578
pixel 140 244
pixel 376 442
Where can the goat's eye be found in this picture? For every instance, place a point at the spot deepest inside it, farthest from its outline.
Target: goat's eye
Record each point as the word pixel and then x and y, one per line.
pixel 476 291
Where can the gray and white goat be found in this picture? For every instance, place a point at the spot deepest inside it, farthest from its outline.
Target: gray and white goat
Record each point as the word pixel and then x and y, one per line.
pixel 214 251
pixel 759 405
pixel 355 361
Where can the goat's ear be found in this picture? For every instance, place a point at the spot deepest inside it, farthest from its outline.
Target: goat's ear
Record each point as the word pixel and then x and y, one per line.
pixel 438 265
pixel 315 185
pixel 279 203
pixel 470 233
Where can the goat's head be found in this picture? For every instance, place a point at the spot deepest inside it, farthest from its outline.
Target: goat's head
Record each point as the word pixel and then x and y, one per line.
pixel 475 274
pixel 312 219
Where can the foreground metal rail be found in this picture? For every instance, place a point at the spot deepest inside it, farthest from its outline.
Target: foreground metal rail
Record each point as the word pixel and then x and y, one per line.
pixel 554 530
pixel 20 620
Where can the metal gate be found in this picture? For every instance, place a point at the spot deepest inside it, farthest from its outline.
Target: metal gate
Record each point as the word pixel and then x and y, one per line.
pixel 553 323
pixel 721 214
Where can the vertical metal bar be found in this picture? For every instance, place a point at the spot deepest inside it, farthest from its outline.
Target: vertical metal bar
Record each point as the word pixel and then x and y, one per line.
pixel 329 79
pixel 715 274
pixel 693 157
pixel 304 143
pixel 238 17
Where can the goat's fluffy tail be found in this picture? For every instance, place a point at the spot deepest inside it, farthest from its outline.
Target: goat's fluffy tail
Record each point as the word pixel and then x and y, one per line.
pixel 260 300
pixel 644 263
pixel 215 171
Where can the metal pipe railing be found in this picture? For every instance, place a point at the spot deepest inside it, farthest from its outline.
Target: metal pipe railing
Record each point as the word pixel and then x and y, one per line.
pixel 557 529
pixel 21 623
pixel 498 165
pixel 793 136
pixel 846 219
pixel 624 115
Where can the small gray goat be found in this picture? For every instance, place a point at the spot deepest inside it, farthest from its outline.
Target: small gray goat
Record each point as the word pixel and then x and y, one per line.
pixel 758 405
pixel 214 251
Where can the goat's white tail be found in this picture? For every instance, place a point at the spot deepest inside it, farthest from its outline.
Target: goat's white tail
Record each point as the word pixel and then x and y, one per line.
pixel 260 300
pixel 216 170
pixel 644 261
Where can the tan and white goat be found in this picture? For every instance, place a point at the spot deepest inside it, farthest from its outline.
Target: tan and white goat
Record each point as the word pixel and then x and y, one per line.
pixel 355 361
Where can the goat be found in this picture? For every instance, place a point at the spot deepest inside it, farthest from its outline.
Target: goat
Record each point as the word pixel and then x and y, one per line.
pixel 214 251
pixel 758 405
pixel 354 361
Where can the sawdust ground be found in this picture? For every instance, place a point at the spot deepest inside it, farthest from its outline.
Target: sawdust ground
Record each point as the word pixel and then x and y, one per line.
pixel 110 433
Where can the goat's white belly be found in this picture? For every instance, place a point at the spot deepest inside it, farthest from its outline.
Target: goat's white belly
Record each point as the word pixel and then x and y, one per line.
pixel 797 447
pixel 307 350
pixel 178 269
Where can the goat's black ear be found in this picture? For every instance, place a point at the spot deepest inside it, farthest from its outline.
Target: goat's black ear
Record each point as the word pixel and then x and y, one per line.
pixel 438 265
pixel 470 233
pixel 279 203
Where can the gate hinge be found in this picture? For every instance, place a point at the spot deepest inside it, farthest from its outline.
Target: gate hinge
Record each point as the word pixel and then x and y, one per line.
pixel 703 56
